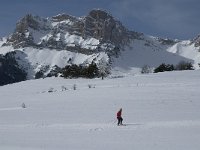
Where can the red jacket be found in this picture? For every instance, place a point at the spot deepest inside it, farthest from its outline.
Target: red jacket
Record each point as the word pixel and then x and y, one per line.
pixel 119 114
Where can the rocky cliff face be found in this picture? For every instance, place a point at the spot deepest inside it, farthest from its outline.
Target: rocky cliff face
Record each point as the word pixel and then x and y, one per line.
pixel 96 32
pixel 22 36
pixel 104 27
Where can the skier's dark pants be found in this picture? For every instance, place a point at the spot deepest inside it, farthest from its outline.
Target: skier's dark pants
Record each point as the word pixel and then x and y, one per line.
pixel 120 119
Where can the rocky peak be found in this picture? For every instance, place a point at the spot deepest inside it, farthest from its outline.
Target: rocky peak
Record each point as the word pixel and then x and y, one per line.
pixel 101 25
pixel 100 15
pixel 196 41
pixel 32 22
pixel 62 17
pixel 22 36
pixel 27 22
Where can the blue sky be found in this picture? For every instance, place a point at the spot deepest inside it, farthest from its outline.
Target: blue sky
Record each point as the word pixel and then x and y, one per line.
pixel 164 18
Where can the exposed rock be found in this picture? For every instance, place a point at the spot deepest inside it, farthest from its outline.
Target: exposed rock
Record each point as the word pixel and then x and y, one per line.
pixel 62 17
pixel 33 31
pixel 101 25
pixel 22 36
pixel 167 41
pixel 196 41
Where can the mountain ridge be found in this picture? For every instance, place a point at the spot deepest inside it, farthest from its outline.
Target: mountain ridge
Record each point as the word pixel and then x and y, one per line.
pixel 98 27
pixel 43 44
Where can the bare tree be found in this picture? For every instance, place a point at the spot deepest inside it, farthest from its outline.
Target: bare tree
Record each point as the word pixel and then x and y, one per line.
pixel 146 69
pixel 104 68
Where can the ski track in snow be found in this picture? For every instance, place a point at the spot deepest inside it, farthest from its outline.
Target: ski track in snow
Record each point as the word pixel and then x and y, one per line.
pixel 93 127
pixel 11 108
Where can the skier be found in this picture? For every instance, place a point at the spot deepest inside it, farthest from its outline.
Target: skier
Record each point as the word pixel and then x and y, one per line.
pixel 119 117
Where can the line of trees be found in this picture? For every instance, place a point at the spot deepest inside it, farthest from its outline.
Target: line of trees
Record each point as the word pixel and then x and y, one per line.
pixel 169 67
pixel 182 65
pixel 75 71
pixel 93 70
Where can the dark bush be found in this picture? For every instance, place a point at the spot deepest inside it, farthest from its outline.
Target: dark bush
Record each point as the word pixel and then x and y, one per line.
pixel 164 67
pixel 39 74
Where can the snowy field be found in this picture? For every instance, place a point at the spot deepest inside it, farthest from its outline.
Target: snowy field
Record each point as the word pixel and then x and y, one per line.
pixel 161 112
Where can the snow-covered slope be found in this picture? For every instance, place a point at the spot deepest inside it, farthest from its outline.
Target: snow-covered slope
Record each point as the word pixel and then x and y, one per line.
pixel 188 50
pixel 47 59
pixel 161 111
pixel 34 60
pixel 149 51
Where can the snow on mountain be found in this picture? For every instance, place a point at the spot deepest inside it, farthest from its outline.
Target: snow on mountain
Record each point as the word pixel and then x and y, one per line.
pixel 70 40
pixel 2 41
pixel 150 51
pixel 69 33
pixel 42 44
pixel 35 60
pixel 187 50
pixel 161 111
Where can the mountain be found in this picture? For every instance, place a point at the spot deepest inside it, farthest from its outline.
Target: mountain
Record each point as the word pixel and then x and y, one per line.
pixel 46 45
pixel 85 35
